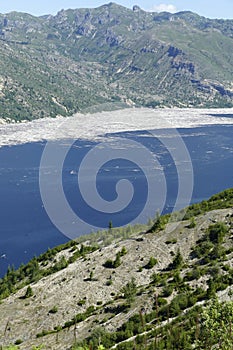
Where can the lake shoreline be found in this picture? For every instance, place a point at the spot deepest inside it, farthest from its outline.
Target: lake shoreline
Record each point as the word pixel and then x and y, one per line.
pixel 94 126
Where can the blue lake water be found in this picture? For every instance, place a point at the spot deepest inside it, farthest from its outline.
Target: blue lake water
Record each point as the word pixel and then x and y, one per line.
pixel 26 229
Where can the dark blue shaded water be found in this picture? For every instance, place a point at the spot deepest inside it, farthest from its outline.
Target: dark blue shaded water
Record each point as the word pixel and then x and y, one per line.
pixel 26 229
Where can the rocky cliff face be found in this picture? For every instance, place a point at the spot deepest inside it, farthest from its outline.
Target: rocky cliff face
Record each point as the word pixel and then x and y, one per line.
pixel 79 58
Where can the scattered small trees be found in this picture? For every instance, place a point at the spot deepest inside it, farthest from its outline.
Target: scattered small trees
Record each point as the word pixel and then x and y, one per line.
pixel 91 276
pixel 29 292
pixel 192 223
pixel 129 291
pixel 159 224
pixel 112 264
pixel 151 263
pixel 123 251
pixel 177 261
pixel 110 227
pixel 217 232
pixel 155 278
pixel 54 310
pixel 211 291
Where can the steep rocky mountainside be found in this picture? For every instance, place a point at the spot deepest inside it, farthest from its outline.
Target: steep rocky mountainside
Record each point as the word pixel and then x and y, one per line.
pixel 80 58
pixel 125 288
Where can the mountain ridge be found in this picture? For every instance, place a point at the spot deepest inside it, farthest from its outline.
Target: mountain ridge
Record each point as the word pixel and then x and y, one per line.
pixel 66 63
